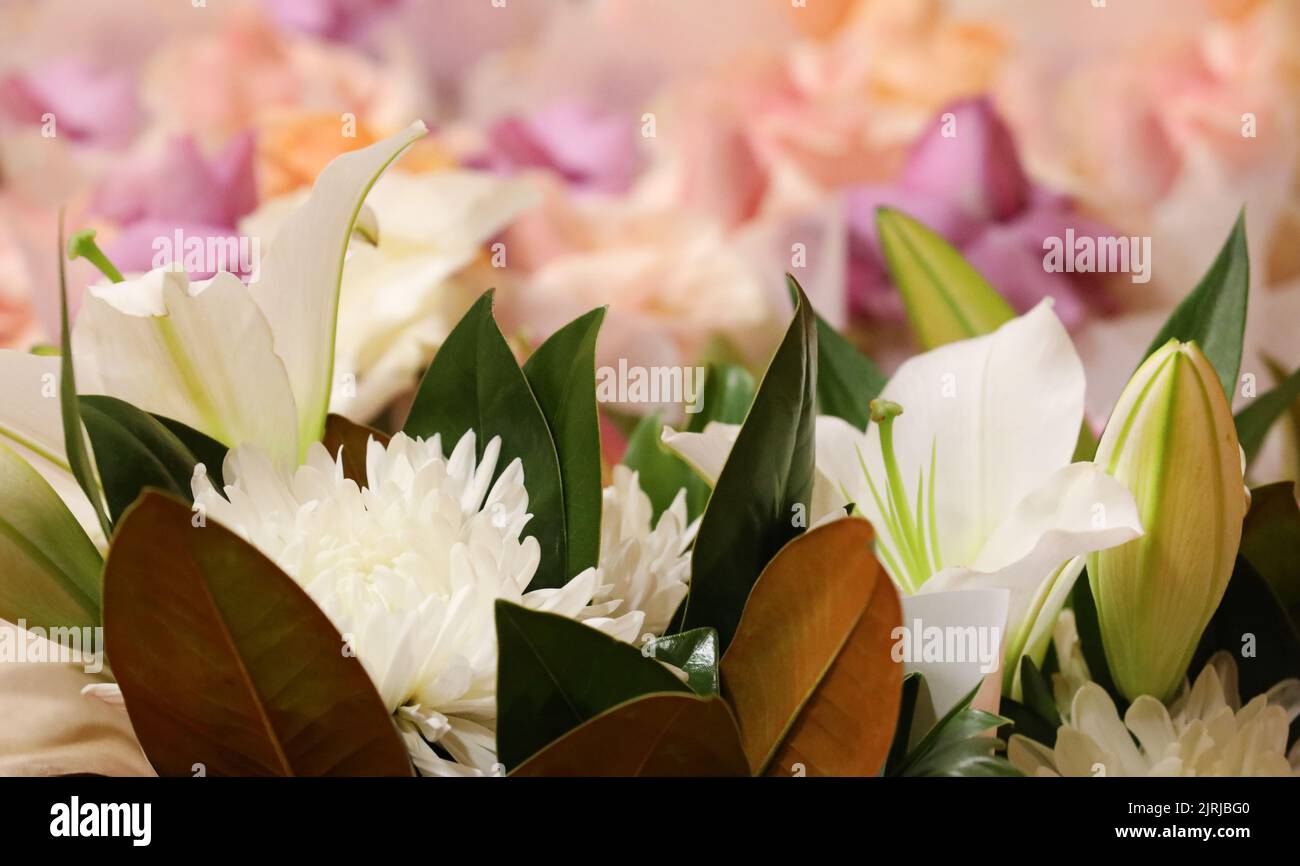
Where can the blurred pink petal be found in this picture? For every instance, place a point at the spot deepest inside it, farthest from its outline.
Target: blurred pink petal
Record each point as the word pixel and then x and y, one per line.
pixel 337 20
pixel 589 148
pixel 90 105
pixel 148 244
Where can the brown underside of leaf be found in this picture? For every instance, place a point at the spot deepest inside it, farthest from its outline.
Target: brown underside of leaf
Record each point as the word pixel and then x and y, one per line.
pixel 660 734
pixel 352 438
pixel 809 673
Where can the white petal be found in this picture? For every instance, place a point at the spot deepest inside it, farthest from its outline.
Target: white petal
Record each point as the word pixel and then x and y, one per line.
pixel 949 680
pixel 1002 412
pixel 299 283
pixel 706 452
pixel 208 362
pixel 1077 509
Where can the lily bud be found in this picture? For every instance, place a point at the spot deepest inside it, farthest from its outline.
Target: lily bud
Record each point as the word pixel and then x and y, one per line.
pixel 1172 442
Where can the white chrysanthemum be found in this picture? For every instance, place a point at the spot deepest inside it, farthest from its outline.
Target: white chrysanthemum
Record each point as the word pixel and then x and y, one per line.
pixel 1204 732
pixel 644 566
pixel 409 569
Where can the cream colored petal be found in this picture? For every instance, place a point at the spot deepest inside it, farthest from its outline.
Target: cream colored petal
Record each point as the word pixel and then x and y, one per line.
pixel 705 452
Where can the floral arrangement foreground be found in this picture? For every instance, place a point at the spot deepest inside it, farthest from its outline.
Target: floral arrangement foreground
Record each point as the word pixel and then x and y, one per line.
pixel 287 591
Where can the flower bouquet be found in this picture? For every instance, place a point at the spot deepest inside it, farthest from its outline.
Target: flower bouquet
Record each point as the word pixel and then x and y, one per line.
pixel 822 570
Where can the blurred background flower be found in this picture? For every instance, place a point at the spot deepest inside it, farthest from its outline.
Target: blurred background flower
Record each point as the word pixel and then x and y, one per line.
pixel 681 157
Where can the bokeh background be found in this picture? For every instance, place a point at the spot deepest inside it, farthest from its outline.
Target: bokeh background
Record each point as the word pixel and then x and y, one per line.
pixel 677 151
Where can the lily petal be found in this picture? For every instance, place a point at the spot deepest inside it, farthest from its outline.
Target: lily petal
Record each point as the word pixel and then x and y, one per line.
pixel 299 285
pixel 705 452
pixel 950 680
pixel 200 353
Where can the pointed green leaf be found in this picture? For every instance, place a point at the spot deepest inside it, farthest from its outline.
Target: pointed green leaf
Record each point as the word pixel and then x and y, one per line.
pixel 49 569
pixel 225 661
pixel 696 653
pixel 210 452
pixel 1214 314
pixel 554 673
pixel 764 487
pixel 562 373
pixel 946 299
pixel 474 383
pixel 74 442
pixel 1254 421
pixel 133 450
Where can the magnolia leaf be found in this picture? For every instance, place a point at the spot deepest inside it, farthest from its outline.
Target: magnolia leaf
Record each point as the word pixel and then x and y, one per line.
pixel 353 439
pixel 562 374
pixel 1254 422
pixel 810 672
pixel 225 662
pixel 762 497
pixel 134 451
pixel 1214 314
pixel 49 569
pixel 474 383
pixel 74 440
pixel 696 653
pixel 946 299
pixel 665 735
pixel 554 673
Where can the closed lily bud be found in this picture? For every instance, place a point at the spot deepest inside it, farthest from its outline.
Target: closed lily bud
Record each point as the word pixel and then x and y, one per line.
pixel 1172 442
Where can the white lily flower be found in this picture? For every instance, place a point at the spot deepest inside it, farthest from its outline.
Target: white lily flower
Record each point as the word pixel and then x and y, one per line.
pixel 970 487
pixel 401 294
pixel 243 364
pixel 409 568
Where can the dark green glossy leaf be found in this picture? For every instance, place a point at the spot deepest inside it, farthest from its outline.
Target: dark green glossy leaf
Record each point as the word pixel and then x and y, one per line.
pixel 562 373
pixel 474 383
pixel 847 380
pixel 133 451
pixel 913 686
pixel 1038 692
pixel 210 452
pixel 225 662
pixel 957 745
pixel 1024 721
pixel 1252 626
pixel 1270 541
pixel 74 442
pixel 728 393
pixel 1254 422
pixel 554 673
pixel 764 487
pixel 696 653
pixel 1214 314
pixel 659 735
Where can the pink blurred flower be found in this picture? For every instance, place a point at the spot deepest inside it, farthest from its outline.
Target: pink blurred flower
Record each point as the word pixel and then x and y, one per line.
pixel 588 147
pixel 335 20
pixel 963 178
pixel 180 189
pixel 88 104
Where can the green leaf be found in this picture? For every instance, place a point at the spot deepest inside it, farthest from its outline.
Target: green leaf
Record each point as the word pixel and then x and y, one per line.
pixel 562 373
pixel 1038 693
pixel 1254 421
pixel 474 383
pixel 210 452
pixel 694 651
pixel 1024 721
pixel 1090 644
pixel 728 393
pixel 946 299
pixel 1214 314
pixel 1252 626
pixel 134 451
pixel 554 673
pixel 662 473
pixel 913 684
pixel 225 662
pixel 673 735
pixel 847 380
pixel 49 569
pixel 764 486
pixel 956 745
pixel 1270 541
pixel 74 441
